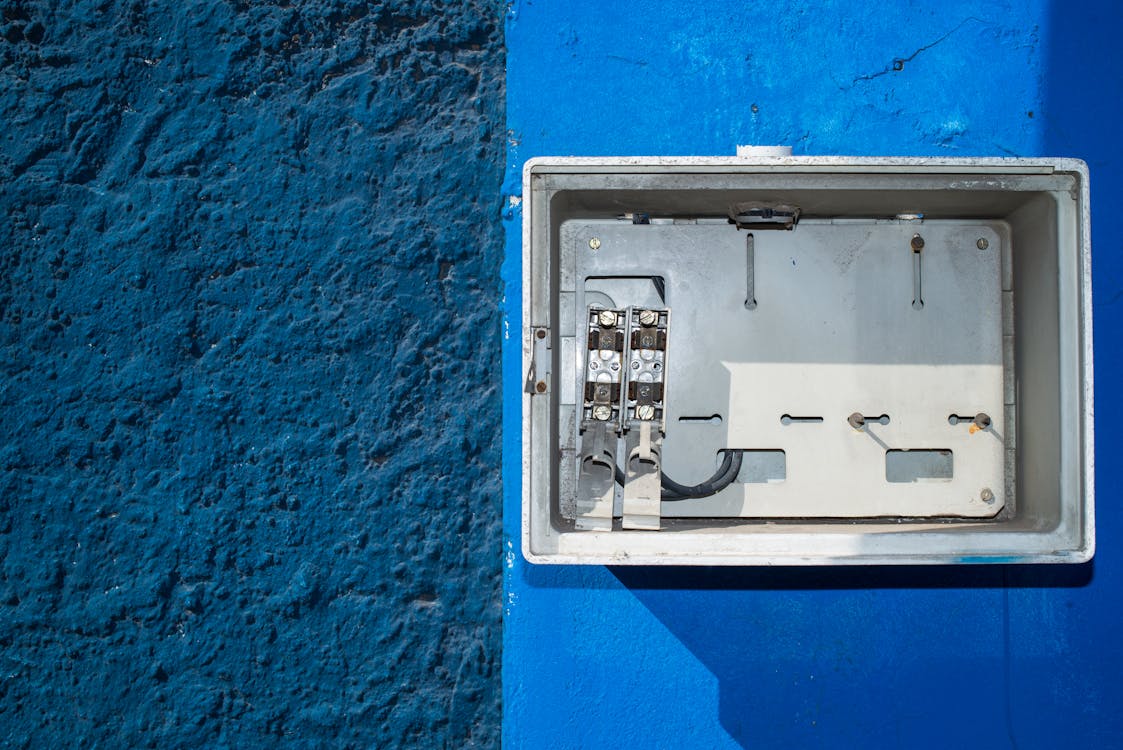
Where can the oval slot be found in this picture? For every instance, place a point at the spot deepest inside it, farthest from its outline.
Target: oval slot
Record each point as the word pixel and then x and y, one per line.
pixel 788 419
pixel 712 419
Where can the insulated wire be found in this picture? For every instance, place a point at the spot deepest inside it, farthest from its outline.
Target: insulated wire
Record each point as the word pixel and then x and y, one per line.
pixel 722 478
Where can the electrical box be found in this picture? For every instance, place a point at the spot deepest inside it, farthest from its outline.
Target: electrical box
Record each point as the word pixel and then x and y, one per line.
pixel 800 360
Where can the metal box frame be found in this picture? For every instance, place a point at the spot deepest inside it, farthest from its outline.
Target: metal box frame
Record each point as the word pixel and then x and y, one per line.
pixel 1040 208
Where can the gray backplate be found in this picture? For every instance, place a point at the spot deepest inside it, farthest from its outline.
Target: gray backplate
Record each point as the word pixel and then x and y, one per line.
pixel 834 332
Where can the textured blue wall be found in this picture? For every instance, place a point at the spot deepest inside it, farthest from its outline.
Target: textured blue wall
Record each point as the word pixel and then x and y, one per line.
pixel 954 657
pixel 249 277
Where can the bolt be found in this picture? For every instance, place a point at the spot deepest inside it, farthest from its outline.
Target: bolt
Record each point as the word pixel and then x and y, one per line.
pixel 645 412
pixel 594 243
pixel 986 495
pixel 602 413
pixel 648 317
pixel 982 244
pixel 856 420
pixel 540 387
pixel 606 318
pixel 917 243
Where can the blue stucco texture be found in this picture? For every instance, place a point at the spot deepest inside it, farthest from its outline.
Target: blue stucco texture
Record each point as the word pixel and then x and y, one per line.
pixel 249 279
pixel 987 657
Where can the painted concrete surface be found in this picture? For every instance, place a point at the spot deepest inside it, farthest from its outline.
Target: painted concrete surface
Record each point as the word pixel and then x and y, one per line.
pixel 953 657
pixel 249 274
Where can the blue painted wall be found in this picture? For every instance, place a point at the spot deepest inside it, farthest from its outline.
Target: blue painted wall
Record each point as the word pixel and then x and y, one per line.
pixel 249 332
pixel 957 657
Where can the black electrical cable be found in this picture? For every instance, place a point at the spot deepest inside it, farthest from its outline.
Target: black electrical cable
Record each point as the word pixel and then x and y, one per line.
pixel 722 478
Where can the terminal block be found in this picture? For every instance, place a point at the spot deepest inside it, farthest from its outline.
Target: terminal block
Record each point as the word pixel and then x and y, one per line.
pixel 644 425
pixel 600 417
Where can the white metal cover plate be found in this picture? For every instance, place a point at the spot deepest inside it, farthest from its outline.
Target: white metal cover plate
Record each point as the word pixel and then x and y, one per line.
pixel 834 332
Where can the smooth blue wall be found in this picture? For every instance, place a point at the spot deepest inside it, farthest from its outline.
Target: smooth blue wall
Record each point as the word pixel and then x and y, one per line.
pixel 956 657
pixel 249 333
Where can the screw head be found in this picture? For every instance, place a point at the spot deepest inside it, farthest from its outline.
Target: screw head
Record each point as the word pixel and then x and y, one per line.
pixel 982 244
pixel 606 318
pixel 648 317
pixel 645 412
pixel 602 413
pixel 917 243
pixel 540 333
pixel 540 387
pixel 987 496
pixel 856 420
pixel 594 243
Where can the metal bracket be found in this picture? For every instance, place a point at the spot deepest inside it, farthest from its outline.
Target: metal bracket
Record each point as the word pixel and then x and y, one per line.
pixel 600 417
pixel 539 382
pixel 644 417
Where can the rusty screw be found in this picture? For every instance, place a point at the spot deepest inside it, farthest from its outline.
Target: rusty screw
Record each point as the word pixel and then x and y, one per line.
pixel 540 387
pixel 917 243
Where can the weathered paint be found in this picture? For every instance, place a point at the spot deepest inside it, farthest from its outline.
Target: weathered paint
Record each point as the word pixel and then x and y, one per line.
pixel 982 656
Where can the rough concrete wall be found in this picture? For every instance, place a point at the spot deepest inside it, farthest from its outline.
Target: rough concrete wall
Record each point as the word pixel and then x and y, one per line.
pixel 249 265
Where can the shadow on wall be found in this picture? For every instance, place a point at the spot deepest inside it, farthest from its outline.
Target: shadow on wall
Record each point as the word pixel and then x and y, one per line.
pixel 870 656
pixel 805 655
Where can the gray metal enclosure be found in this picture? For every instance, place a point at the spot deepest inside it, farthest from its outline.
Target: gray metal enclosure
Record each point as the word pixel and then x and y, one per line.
pixel 905 369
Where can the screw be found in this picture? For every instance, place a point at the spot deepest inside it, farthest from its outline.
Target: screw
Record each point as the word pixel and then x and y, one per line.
pixel 594 365
pixel 540 387
pixel 541 333
pixel 982 421
pixel 982 244
pixel 648 317
pixel 635 364
pixel 602 413
pixel 856 420
pixel 594 243
pixel 645 412
pixel 917 243
pixel 606 318
pixel 647 341
pixel 615 366
pixel 986 495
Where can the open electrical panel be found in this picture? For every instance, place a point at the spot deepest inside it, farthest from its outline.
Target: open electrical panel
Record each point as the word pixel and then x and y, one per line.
pixel 800 360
